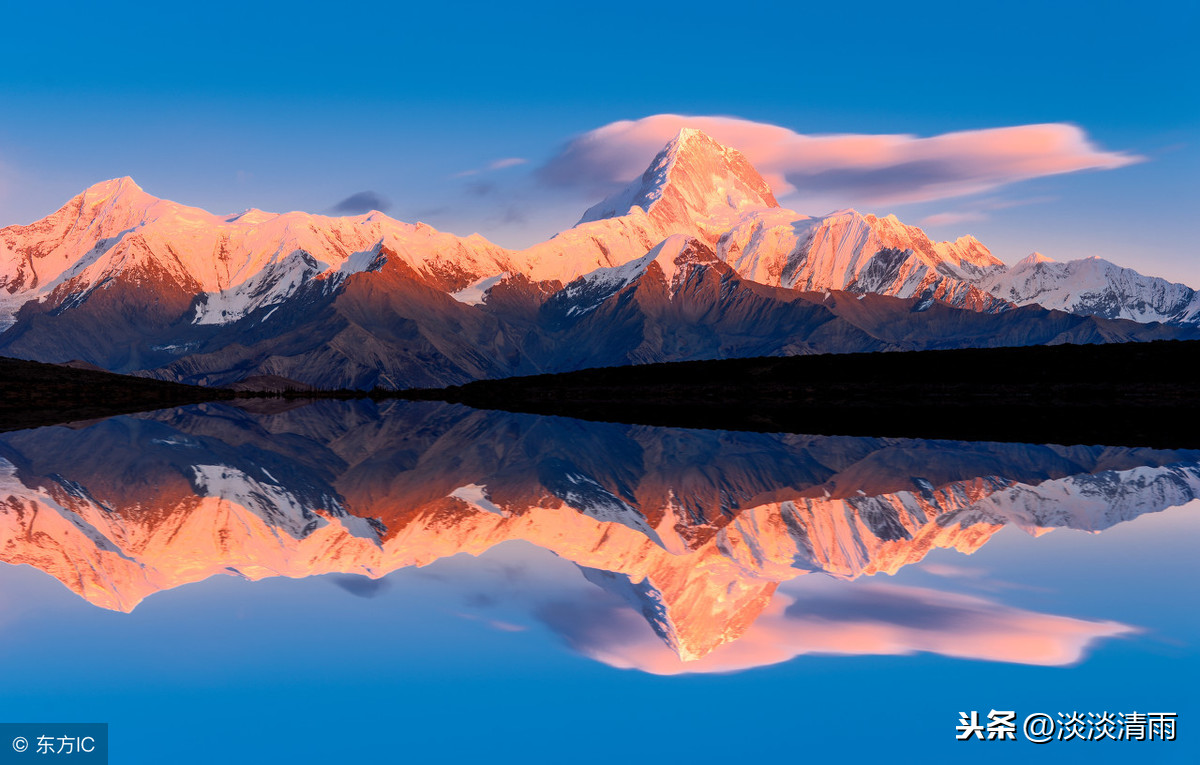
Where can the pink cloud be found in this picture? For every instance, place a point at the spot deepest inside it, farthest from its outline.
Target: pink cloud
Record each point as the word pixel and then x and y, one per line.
pixel 860 618
pixel 856 168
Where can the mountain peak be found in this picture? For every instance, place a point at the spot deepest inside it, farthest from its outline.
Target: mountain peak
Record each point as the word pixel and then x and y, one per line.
pixel 113 196
pixel 1031 260
pixel 693 183
pixel 112 187
pixel 117 204
pixel 687 134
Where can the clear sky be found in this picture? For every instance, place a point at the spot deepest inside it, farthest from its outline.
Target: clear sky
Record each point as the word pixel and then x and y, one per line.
pixel 492 117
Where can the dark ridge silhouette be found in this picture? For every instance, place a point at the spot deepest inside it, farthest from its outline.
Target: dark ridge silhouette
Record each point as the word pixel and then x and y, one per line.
pixel 34 394
pixel 1132 394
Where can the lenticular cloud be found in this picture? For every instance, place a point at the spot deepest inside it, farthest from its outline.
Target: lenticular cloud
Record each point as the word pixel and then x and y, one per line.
pixel 870 169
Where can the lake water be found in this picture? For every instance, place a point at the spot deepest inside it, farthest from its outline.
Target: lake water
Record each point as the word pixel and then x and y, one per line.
pixel 414 582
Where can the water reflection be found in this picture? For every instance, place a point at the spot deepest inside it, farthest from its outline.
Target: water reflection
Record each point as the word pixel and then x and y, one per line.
pixel 702 535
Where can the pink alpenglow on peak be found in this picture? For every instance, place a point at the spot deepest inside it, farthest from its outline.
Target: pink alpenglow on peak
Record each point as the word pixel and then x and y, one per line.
pixel 240 262
pixel 694 186
pixel 693 181
pixel 858 253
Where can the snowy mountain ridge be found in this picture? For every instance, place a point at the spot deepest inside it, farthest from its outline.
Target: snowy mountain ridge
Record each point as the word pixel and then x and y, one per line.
pixel 238 263
pixel 130 282
pixel 1094 287
pixel 694 187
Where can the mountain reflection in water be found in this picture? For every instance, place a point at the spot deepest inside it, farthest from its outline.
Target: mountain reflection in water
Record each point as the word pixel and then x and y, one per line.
pixel 694 531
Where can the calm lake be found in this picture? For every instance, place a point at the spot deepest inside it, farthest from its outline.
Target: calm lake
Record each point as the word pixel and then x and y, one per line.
pixel 352 582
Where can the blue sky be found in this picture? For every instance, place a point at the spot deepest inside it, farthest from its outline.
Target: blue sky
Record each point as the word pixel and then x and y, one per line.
pixel 286 106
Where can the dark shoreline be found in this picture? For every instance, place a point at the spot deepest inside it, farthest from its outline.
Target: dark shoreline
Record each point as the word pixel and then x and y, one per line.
pixel 1126 394
pixel 33 394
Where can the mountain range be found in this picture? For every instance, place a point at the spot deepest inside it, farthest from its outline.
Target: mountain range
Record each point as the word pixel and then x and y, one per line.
pixel 693 260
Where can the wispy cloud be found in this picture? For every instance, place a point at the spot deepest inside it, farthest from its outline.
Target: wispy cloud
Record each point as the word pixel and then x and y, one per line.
pixel 500 164
pixel 480 188
pixel 362 202
pixel 871 169
pixel 496 164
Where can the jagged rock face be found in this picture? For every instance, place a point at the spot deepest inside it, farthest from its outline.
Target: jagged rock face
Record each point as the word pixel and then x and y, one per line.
pixel 122 324
pixel 388 329
pixel 859 253
pixel 132 283
pixel 695 529
pixel 682 302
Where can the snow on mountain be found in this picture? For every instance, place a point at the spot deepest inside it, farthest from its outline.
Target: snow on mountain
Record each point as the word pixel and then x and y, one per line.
pixel 81 242
pixel 693 181
pixel 1093 502
pixel 669 259
pixel 595 244
pixel 131 282
pixel 694 186
pixel 858 253
pixel 239 263
pixel 1094 287
pixel 475 293
pixel 698 188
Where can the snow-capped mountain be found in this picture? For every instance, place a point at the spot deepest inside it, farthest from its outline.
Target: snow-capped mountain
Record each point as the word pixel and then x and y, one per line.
pixel 1094 287
pixel 859 253
pixel 132 283
pixel 694 187
pixel 114 231
pixel 697 188
pixel 693 181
